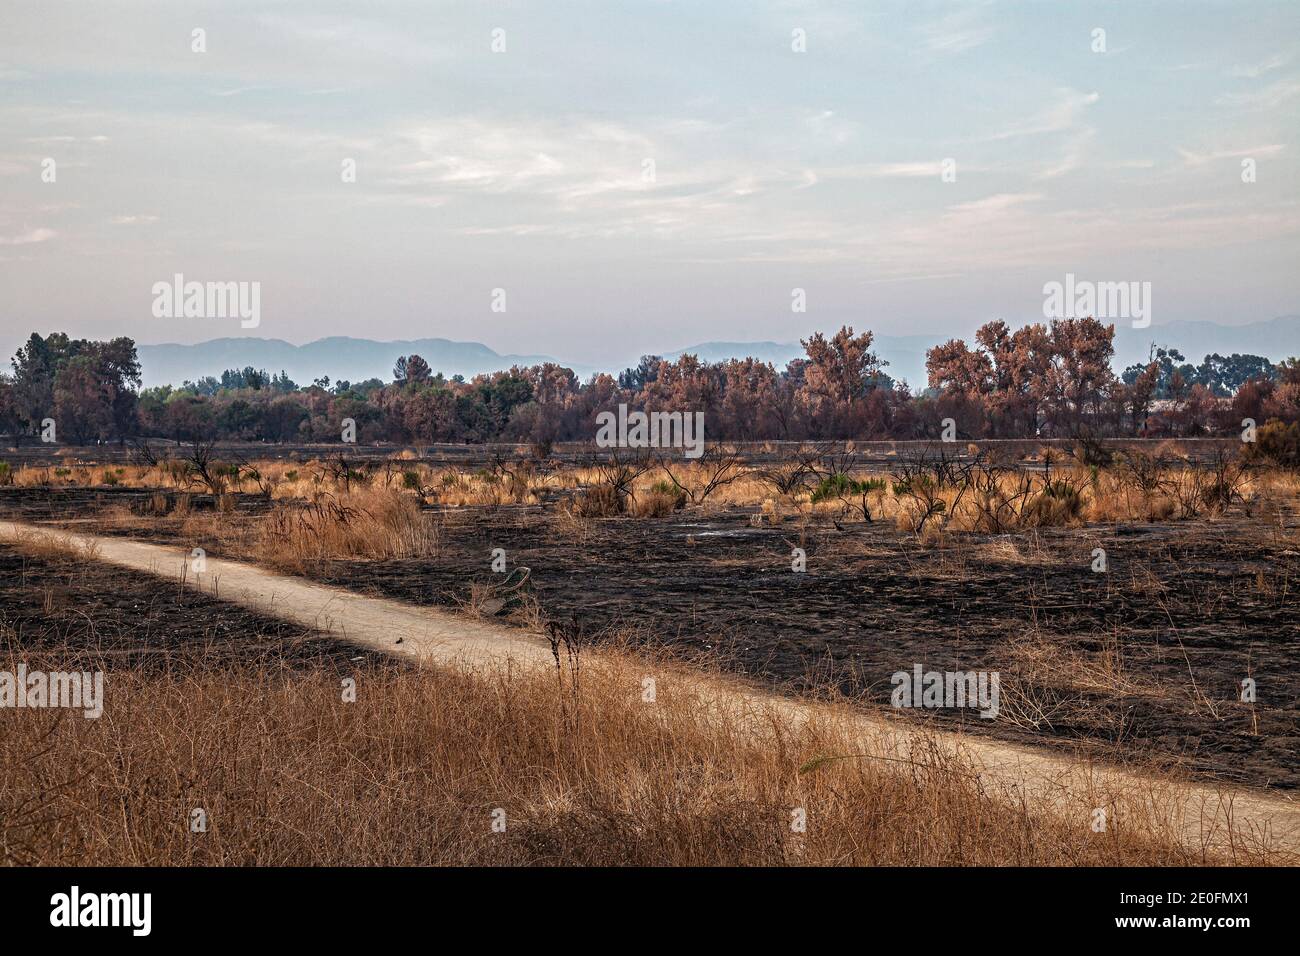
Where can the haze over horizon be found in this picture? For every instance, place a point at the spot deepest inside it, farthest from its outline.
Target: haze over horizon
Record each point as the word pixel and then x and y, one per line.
pixel 526 170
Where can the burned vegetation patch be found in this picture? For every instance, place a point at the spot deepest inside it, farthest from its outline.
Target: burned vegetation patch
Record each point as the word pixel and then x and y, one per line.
pixel 58 606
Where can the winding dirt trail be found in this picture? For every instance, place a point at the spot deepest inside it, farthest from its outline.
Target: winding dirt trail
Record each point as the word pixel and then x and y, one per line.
pixel 1205 816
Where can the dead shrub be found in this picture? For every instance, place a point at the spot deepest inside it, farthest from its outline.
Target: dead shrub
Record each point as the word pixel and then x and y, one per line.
pixel 598 501
pixel 1058 504
pixel 1276 444
pixel 659 502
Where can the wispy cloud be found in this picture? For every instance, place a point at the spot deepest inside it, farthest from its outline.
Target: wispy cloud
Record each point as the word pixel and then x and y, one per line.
pixel 993 205
pixel 920 277
pixel 1076 147
pixel 1254 70
pixel 957 32
pixel 1062 115
pixel 28 238
pixel 1270 97
pixel 1192 158
pixel 904 170
pixel 98 139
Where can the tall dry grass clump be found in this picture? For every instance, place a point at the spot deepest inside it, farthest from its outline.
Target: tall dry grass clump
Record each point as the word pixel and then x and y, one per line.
pixel 367 522
pixel 431 767
pixel 53 545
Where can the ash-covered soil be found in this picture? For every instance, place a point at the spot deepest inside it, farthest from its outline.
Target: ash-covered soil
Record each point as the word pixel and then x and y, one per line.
pixel 1149 655
pixel 64 607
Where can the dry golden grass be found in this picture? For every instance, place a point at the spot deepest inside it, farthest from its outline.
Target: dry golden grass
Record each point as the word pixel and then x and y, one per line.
pixel 369 522
pixel 999 500
pixel 53 545
pixel 1027 551
pixel 365 522
pixel 419 768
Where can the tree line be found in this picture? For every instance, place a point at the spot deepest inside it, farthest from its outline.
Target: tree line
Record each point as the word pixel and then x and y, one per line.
pixel 1049 380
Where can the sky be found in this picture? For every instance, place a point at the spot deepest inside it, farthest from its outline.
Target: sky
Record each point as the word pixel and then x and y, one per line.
pixel 641 176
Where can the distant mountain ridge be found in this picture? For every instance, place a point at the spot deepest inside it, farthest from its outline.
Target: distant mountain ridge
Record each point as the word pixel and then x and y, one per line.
pixel 339 357
pixel 355 360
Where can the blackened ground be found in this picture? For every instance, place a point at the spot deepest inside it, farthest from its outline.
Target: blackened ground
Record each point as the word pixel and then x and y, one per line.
pixel 1183 614
pixel 70 502
pixel 73 607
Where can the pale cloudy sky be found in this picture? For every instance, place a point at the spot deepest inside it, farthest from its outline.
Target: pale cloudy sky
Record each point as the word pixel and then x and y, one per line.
pixel 523 169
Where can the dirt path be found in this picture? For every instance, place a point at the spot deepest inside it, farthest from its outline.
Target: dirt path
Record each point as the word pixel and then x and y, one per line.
pixel 1206 816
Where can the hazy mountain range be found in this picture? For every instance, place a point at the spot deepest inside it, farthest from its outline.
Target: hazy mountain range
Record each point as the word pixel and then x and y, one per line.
pixel 339 357
pixel 358 359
